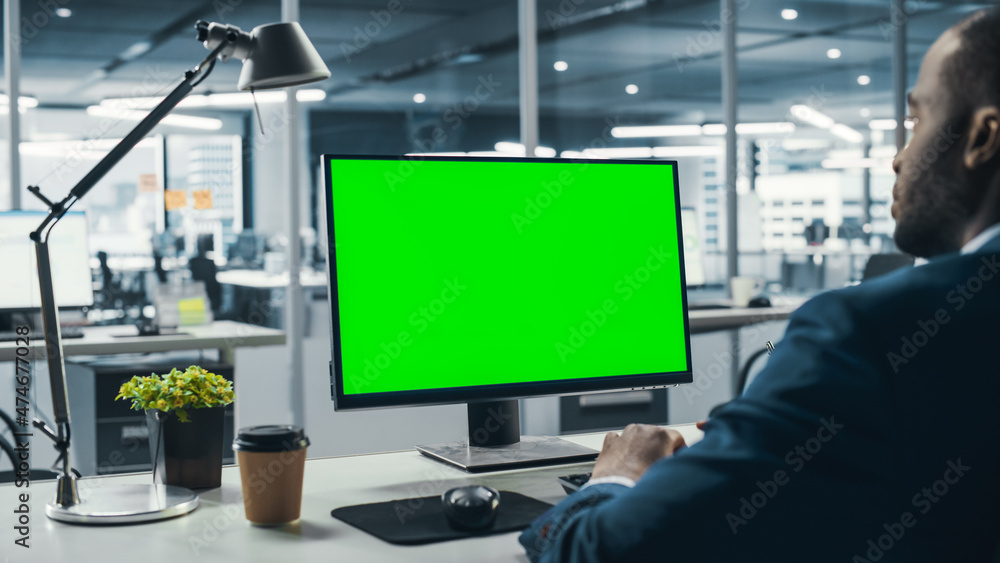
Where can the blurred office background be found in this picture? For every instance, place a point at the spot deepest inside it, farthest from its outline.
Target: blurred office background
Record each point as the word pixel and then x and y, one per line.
pixel 817 117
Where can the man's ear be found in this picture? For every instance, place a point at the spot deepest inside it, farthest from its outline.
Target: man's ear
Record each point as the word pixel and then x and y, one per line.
pixel 984 138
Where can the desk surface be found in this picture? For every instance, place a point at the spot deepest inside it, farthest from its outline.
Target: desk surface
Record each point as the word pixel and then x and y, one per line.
pixel 102 340
pixel 259 279
pixel 708 320
pixel 218 531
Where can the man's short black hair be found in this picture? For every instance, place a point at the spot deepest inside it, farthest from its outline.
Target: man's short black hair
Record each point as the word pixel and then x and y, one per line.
pixel 973 72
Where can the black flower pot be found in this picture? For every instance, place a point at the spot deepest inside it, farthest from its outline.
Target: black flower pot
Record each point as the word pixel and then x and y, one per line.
pixel 187 454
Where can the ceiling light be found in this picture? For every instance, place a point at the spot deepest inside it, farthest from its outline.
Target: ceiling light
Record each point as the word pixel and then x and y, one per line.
pixel 865 112
pixel 517 149
pixel 223 100
pixel 764 128
pixel 572 154
pixel 841 163
pixel 694 150
pixel 846 133
pixel 789 14
pixel 419 98
pixel 620 152
pixel 808 115
pixel 560 65
pixel 632 89
pixel 207 123
pixel 887 124
pixel 656 131
pixel 22 101
pixel 833 53
pixel 864 80
pixel 64 12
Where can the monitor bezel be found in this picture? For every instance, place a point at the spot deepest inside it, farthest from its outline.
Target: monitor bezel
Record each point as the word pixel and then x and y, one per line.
pixel 454 395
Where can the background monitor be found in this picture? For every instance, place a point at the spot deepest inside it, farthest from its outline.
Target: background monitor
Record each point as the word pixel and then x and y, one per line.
pixel 694 269
pixel 69 253
pixel 484 280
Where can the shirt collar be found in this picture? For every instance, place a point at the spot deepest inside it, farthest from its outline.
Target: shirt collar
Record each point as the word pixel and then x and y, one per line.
pixel 981 239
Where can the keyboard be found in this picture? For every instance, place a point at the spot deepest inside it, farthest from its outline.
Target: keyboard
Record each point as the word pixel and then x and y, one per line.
pixel 66 332
pixel 572 483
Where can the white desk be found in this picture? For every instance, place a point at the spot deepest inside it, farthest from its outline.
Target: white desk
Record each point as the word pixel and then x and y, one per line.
pixel 709 320
pixel 259 279
pixel 218 531
pixel 102 340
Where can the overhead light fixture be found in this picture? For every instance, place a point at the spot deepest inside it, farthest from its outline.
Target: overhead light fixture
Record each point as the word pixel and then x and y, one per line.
pixel 509 148
pixel 23 103
pixel 804 144
pixel 846 133
pixel 419 98
pixel 869 163
pixel 812 117
pixel 763 128
pixel 693 150
pixel 221 100
pixel 572 154
pixel 64 12
pixel 189 121
pixel 864 80
pixel 620 152
pixel 560 65
pixel 887 124
pixel 865 112
pixel 833 53
pixel 789 14
pixel 631 89
pixel 626 132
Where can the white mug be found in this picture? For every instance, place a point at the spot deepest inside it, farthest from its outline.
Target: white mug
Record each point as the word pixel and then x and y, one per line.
pixel 744 288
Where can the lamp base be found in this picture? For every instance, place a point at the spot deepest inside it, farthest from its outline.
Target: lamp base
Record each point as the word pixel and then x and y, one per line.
pixel 126 504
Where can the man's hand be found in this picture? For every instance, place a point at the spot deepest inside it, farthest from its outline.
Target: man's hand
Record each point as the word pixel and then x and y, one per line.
pixel 638 447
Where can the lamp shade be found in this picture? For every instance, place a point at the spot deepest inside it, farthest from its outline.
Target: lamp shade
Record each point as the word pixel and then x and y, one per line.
pixel 281 55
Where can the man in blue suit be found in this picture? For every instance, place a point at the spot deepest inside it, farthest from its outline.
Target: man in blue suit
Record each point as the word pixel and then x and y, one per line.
pixel 873 434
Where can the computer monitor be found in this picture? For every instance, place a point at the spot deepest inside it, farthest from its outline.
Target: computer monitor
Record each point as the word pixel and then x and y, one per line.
pixel 482 280
pixel 694 269
pixel 69 254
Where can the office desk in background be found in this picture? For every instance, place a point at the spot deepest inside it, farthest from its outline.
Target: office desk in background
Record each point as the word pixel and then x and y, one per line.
pixel 224 336
pixel 218 530
pixel 259 279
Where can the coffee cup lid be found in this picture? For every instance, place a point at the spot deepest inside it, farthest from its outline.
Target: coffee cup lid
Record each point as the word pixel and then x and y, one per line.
pixel 270 438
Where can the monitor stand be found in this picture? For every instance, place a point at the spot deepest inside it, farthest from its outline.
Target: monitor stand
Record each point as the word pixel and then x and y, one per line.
pixel 495 443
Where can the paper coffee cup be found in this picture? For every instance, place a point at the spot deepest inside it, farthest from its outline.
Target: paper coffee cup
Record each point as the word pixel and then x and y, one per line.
pixel 272 462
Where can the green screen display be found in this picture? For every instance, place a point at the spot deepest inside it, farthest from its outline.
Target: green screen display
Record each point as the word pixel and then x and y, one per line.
pixel 459 273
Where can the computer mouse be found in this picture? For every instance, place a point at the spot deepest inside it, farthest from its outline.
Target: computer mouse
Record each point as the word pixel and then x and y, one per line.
pixel 759 301
pixel 471 508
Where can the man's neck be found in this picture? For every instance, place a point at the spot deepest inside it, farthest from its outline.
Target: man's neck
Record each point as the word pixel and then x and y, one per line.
pixel 988 213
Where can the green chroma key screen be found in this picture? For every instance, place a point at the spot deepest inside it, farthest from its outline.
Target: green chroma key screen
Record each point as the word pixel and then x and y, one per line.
pixel 461 273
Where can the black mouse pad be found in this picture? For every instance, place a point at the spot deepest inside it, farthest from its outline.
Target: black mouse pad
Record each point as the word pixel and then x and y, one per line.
pixel 421 520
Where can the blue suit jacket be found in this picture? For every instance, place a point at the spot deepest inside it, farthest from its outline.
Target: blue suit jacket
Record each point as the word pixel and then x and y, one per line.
pixel 873 434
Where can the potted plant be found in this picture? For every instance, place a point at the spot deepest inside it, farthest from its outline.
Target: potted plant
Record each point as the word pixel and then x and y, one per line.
pixel 185 411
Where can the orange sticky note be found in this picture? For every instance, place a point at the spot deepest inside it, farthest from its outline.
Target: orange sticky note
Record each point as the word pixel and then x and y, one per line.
pixel 202 199
pixel 174 199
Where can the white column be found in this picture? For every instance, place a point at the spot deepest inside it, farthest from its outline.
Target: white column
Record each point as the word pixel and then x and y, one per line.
pixel 12 75
pixel 294 309
pixel 528 71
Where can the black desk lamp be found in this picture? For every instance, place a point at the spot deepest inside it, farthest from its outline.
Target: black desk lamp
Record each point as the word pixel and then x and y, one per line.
pixel 274 56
